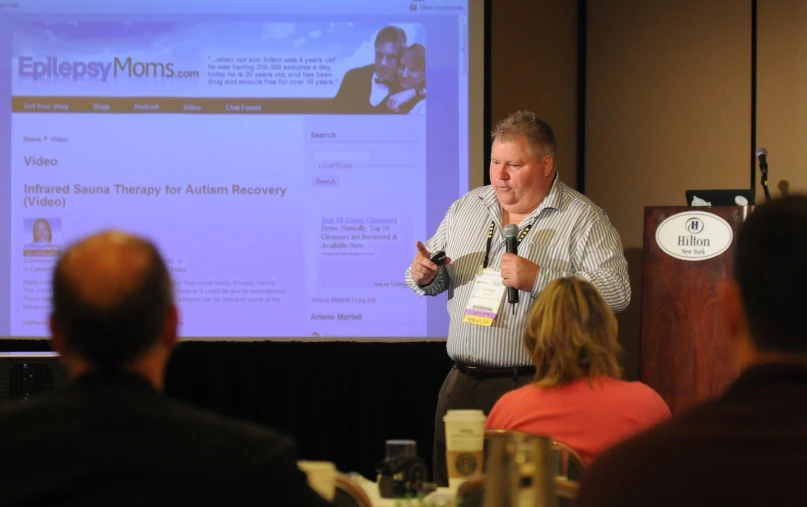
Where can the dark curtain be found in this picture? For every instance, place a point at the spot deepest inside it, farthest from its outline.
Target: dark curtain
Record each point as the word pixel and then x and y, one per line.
pixel 341 401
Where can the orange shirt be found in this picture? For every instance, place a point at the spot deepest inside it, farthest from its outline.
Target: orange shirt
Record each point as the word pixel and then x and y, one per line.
pixel 588 417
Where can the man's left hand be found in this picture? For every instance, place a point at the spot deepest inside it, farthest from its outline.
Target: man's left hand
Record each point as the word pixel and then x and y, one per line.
pixel 518 272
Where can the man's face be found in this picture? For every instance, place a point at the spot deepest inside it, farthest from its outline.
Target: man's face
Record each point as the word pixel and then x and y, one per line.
pixel 520 179
pixel 386 60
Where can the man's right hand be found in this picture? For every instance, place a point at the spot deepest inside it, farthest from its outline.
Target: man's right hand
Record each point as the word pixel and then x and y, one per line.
pixel 423 269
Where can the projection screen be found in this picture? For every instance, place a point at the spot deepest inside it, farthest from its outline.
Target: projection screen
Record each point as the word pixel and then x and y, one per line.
pixel 280 154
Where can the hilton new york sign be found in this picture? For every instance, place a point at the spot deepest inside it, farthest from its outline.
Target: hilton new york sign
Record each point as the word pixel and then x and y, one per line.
pixel 694 236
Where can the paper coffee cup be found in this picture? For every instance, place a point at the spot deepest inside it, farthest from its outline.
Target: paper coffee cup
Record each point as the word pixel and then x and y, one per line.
pixel 321 477
pixel 465 441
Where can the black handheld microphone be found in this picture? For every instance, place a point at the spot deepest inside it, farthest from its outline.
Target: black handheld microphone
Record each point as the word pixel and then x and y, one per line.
pixel 511 246
pixel 762 156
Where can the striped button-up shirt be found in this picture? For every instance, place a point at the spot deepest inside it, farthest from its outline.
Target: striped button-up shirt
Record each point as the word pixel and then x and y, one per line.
pixel 570 236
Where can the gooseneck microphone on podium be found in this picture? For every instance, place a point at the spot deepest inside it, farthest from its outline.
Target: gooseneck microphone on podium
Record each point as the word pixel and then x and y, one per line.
pixel 511 246
pixel 762 156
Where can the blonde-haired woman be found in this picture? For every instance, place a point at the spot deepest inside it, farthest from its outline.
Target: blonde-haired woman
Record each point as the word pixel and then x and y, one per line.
pixel 577 397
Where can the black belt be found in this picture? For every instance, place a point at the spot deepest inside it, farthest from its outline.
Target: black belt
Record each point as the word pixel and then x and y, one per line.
pixel 486 372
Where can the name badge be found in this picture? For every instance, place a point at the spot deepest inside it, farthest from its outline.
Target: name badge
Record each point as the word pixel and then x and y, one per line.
pixel 486 298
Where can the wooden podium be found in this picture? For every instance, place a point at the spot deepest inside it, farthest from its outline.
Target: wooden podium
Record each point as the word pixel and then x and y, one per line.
pixel 684 350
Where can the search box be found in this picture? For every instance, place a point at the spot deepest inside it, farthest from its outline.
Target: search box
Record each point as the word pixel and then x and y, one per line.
pixel 342 156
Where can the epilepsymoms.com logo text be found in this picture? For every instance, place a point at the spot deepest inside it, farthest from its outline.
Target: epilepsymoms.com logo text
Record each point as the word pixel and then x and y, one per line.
pixel 53 68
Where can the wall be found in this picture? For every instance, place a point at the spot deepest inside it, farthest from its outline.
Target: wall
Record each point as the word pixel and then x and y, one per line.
pixel 668 108
pixel 534 67
pixel 782 93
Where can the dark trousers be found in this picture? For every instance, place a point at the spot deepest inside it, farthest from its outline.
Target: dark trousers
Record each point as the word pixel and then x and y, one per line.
pixel 459 392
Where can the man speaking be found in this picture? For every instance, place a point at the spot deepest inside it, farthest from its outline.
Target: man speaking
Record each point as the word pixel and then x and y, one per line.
pixel 560 233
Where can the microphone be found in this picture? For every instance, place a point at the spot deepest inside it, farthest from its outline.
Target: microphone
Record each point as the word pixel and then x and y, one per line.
pixel 762 156
pixel 511 246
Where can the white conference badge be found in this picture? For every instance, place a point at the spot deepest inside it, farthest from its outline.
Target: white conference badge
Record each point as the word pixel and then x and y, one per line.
pixel 486 298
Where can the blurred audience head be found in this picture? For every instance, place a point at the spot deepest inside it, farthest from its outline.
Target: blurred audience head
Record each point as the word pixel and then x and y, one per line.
pixel 113 306
pixel 571 334
pixel 766 300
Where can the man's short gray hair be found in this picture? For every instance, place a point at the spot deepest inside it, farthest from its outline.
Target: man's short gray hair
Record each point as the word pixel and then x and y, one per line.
pixel 525 124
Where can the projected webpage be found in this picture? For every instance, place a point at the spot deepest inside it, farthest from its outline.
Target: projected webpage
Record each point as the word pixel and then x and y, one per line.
pixel 284 164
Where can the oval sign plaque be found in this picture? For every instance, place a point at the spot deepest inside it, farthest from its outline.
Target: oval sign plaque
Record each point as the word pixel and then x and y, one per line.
pixel 694 236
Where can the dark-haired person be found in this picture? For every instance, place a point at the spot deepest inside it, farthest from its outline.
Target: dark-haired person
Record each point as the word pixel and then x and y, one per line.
pixel 577 396
pixel 749 446
pixel 562 233
pixel 111 438
pixel 364 88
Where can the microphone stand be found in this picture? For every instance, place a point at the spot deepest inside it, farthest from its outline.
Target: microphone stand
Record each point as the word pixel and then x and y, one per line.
pixel 764 182
pixel 763 169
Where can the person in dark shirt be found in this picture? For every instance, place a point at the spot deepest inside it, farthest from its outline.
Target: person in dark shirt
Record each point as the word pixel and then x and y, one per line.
pixel 749 446
pixel 111 438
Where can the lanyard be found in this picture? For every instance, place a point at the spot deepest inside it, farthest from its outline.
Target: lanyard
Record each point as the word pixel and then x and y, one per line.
pixel 490 240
